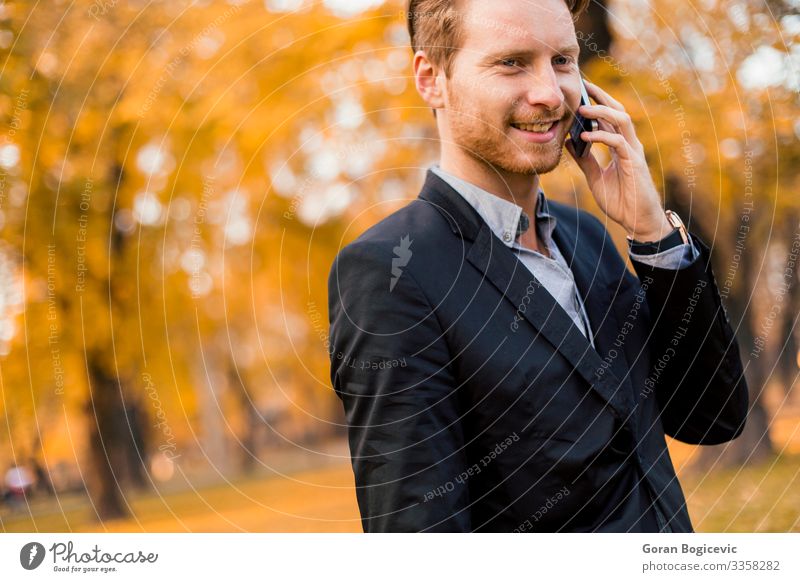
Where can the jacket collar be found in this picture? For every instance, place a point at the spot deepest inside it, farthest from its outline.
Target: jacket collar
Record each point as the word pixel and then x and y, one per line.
pixel 502 216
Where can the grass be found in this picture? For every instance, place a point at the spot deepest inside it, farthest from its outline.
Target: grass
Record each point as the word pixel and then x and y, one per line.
pixel 759 498
pixel 755 498
pixel 309 501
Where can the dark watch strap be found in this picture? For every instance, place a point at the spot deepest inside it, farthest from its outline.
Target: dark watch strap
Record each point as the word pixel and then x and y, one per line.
pixel 673 239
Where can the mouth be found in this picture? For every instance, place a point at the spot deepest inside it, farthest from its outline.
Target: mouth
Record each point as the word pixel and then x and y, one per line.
pixel 537 133
pixel 539 127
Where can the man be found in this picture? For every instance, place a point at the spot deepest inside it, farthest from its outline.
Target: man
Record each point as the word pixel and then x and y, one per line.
pixel 500 367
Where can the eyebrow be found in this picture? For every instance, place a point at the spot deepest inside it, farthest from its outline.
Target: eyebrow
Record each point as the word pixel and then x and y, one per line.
pixel 570 49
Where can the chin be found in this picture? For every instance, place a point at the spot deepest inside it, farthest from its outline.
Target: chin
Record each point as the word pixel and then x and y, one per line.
pixel 540 162
pixel 534 159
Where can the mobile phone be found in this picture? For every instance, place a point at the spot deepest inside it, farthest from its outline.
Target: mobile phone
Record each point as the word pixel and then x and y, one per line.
pixel 581 124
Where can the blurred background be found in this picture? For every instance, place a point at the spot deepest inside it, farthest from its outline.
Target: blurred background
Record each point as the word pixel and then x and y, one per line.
pixel 177 176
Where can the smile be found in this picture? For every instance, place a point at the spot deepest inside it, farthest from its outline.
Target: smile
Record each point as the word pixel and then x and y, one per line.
pixel 535 127
pixel 536 132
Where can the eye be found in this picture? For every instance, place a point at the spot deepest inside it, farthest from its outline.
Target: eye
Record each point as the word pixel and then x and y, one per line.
pixel 563 60
pixel 510 62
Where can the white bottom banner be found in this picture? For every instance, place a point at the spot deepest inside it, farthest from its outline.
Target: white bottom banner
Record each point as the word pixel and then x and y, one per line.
pixel 400 557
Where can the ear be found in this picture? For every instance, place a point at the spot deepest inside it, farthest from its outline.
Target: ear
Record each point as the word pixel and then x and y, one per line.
pixel 429 80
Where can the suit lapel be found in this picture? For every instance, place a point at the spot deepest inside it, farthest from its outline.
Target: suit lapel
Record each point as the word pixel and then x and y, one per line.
pixel 598 295
pixel 513 280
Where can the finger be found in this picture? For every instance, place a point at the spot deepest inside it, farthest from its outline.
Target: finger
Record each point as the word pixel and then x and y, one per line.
pixel 602 97
pixel 606 126
pixel 620 121
pixel 612 140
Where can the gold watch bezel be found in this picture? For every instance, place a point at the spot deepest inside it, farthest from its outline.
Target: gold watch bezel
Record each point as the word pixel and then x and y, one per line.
pixel 676 221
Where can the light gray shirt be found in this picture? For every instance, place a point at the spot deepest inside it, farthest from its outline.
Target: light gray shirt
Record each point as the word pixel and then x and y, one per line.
pixel 552 272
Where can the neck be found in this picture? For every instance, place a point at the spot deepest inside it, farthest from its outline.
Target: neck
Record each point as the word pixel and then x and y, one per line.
pixel 520 189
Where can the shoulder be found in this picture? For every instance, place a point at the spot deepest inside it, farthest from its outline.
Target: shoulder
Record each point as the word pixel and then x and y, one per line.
pixel 418 227
pixel 380 283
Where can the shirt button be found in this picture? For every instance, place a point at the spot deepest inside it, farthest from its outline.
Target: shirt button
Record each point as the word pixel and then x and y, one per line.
pixel 507 236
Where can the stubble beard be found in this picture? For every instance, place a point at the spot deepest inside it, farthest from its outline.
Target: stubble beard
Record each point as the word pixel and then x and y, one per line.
pixel 490 144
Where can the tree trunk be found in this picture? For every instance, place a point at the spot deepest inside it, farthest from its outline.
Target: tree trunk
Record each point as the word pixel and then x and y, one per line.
pixel 210 383
pixel 106 420
pixel 594 35
pixel 248 439
pixel 787 345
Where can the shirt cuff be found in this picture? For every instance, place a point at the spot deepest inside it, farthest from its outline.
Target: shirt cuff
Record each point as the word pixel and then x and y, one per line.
pixel 668 253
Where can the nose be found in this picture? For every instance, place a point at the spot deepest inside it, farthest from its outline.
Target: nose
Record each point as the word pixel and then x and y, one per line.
pixel 544 89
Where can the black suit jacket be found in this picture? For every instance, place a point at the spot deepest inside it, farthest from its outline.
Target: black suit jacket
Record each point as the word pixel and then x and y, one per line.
pixel 473 402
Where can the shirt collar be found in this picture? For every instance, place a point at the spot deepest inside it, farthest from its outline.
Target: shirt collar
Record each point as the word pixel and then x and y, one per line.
pixel 502 216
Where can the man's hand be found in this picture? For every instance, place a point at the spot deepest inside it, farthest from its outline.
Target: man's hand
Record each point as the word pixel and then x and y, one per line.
pixel 624 189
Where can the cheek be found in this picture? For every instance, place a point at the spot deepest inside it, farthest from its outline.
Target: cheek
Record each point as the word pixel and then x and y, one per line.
pixel 572 94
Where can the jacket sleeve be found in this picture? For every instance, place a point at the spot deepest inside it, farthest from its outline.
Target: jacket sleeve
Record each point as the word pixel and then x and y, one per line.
pixel 696 367
pixel 391 367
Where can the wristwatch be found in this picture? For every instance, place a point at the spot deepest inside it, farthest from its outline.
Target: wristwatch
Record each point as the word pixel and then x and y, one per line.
pixel 676 222
pixel 678 236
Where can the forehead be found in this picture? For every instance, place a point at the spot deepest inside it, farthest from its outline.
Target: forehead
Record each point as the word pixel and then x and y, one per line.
pixel 516 24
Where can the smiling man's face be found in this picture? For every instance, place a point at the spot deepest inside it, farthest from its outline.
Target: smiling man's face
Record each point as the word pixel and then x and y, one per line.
pixel 514 84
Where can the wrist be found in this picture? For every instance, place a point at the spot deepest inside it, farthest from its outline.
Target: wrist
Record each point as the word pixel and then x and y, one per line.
pixel 651 232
